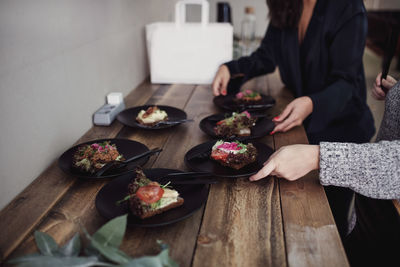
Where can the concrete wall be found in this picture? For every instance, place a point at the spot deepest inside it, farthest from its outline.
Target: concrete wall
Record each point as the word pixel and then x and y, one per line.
pixel 58 60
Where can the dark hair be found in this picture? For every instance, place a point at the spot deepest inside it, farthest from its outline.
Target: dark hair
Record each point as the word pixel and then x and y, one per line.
pixel 285 13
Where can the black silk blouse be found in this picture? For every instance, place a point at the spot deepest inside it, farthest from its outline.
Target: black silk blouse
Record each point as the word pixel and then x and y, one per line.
pixel 327 67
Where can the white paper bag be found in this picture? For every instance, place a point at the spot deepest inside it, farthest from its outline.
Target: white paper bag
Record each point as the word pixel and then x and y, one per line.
pixel 183 52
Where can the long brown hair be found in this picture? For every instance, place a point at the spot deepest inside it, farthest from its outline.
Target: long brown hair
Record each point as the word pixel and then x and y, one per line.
pixel 285 13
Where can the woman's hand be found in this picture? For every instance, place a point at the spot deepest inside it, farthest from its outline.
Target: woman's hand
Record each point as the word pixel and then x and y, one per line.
pixel 388 83
pixel 293 115
pixel 290 162
pixel 221 80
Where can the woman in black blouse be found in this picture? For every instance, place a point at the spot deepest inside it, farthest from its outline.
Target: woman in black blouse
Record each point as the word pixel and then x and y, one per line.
pixel 318 48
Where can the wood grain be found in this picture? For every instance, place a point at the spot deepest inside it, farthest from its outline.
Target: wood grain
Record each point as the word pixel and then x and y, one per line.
pixel 242 224
pixel 268 223
pixel 311 235
pixel 77 208
pixel 23 214
pixel 181 236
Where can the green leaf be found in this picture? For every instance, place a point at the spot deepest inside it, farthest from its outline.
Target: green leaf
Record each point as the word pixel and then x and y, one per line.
pixel 111 253
pixel 160 260
pixel 25 258
pixel 144 262
pixel 72 247
pixel 112 233
pixel 45 243
pixel 50 261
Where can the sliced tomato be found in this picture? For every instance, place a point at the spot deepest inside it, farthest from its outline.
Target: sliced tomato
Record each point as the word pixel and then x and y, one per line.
pixel 220 122
pixel 218 155
pixel 150 193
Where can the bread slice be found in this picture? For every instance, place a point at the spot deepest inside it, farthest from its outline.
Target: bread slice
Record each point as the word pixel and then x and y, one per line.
pixel 239 124
pixel 150 124
pixel 151 116
pixel 143 213
pixel 169 200
pixel 232 159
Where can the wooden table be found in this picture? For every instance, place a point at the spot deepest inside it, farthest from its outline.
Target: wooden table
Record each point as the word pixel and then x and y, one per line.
pixel 267 223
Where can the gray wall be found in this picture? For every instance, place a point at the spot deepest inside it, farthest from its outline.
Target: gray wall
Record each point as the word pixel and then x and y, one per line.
pixel 58 61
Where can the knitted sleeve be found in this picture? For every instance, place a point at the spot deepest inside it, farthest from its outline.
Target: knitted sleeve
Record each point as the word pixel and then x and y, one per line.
pixel 371 169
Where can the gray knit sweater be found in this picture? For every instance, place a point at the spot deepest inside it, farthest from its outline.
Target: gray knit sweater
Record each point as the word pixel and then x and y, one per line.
pixel 371 169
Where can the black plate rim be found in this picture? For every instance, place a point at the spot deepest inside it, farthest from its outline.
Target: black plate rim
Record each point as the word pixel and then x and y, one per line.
pixel 255 143
pixel 233 108
pixel 91 177
pixel 136 125
pixel 204 188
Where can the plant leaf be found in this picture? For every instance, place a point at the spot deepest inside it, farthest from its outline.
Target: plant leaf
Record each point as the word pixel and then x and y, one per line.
pixel 160 260
pixel 148 261
pixel 50 261
pixel 111 253
pixel 112 233
pixel 72 247
pixel 45 243
pixel 25 258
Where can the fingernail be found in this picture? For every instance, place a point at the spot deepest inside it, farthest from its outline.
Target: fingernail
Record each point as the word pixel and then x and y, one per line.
pixel 224 92
pixel 271 133
pixel 276 118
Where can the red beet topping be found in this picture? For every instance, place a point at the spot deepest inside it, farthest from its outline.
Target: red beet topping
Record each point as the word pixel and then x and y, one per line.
pixel 229 146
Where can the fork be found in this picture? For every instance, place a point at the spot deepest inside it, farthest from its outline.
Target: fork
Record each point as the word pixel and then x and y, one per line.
pixel 172 122
pixel 125 162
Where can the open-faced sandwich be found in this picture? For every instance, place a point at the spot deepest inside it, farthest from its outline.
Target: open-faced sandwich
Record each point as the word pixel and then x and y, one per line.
pixel 149 198
pixel 235 154
pixel 151 116
pixel 92 157
pixel 248 97
pixel 239 124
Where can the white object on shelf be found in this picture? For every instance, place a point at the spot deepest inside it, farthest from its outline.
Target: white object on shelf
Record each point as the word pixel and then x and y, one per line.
pixel 181 52
pixel 248 32
pixel 115 98
pixel 105 115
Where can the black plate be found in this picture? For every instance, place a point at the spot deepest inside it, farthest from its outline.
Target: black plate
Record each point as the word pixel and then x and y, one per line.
pixel 127 148
pixel 193 195
pixel 128 116
pixel 227 102
pixel 209 165
pixel 262 128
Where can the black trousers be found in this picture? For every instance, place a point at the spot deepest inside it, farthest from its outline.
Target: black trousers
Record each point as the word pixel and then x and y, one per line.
pixel 340 201
pixel 375 239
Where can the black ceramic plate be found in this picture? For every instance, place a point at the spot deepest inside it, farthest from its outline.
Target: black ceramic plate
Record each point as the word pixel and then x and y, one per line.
pixel 209 165
pixel 127 148
pixel 262 128
pixel 128 116
pixel 227 102
pixel 193 195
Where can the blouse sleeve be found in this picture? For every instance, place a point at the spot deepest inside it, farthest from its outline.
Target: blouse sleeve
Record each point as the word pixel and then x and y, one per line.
pixel 260 62
pixel 371 169
pixel 345 54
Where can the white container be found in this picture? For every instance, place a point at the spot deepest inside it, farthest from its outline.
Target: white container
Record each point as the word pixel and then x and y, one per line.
pixel 189 53
pixel 248 32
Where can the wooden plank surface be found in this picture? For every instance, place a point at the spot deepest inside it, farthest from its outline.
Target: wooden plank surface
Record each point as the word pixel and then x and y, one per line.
pixel 311 235
pixel 266 223
pixel 180 236
pixel 77 208
pixel 242 224
pixel 21 216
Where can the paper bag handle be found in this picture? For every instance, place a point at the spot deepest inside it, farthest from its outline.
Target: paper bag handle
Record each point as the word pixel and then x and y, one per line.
pixel 180 11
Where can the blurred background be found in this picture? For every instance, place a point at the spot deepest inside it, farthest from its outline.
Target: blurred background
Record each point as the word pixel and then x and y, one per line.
pixel 59 59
